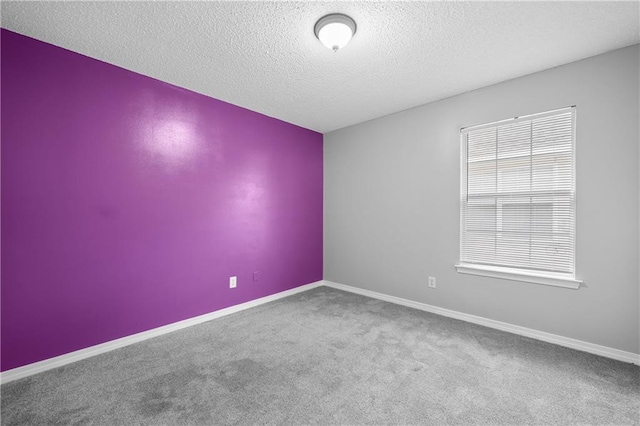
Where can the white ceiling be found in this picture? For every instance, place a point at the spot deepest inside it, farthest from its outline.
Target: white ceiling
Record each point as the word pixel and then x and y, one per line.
pixel 264 56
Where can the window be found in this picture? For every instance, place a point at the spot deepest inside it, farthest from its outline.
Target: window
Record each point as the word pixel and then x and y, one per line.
pixel 517 199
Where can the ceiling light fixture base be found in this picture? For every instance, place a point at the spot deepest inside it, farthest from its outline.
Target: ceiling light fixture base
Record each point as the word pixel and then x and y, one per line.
pixel 335 30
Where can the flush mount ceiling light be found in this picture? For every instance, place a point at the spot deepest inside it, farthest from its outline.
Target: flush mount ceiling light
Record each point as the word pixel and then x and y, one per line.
pixel 335 30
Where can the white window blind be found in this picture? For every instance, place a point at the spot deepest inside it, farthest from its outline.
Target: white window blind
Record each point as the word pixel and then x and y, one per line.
pixel 518 194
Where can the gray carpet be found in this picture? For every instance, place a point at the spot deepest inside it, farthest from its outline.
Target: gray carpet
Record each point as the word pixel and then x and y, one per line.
pixel 329 357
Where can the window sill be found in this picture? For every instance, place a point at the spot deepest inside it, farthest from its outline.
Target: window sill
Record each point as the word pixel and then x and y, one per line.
pixel 555 280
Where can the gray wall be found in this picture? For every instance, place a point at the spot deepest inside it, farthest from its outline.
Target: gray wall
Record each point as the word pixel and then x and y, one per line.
pixel 392 203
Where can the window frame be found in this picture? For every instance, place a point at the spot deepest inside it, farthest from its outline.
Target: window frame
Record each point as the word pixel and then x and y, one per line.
pixel 565 280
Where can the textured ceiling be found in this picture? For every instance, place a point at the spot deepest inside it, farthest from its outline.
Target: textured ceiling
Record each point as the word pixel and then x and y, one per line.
pixel 264 56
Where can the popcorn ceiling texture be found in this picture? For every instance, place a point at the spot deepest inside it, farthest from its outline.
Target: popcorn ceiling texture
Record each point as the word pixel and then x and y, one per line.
pixel 264 56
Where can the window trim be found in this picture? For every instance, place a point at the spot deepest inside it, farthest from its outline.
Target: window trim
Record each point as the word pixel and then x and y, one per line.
pixel 564 280
pixel 524 275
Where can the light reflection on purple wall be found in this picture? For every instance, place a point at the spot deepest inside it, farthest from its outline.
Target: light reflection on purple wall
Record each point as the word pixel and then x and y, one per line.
pixel 127 203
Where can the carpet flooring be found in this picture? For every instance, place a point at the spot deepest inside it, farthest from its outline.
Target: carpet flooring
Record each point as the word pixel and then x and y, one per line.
pixel 325 356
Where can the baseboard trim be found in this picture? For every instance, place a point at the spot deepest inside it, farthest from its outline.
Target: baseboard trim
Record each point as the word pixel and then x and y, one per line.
pixel 51 363
pixel 568 342
pixel 59 361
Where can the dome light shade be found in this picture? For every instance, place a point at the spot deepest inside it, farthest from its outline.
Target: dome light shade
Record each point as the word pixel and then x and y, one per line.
pixel 335 30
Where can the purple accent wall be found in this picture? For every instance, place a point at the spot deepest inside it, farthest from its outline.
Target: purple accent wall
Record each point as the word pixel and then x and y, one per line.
pixel 127 203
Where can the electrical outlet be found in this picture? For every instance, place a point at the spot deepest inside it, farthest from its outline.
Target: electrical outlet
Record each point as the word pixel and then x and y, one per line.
pixel 255 276
pixel 432 282
pixel 233 281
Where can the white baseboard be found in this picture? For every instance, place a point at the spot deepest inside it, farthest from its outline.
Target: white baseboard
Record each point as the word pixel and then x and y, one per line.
pixel 59 361
pixel 510 328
